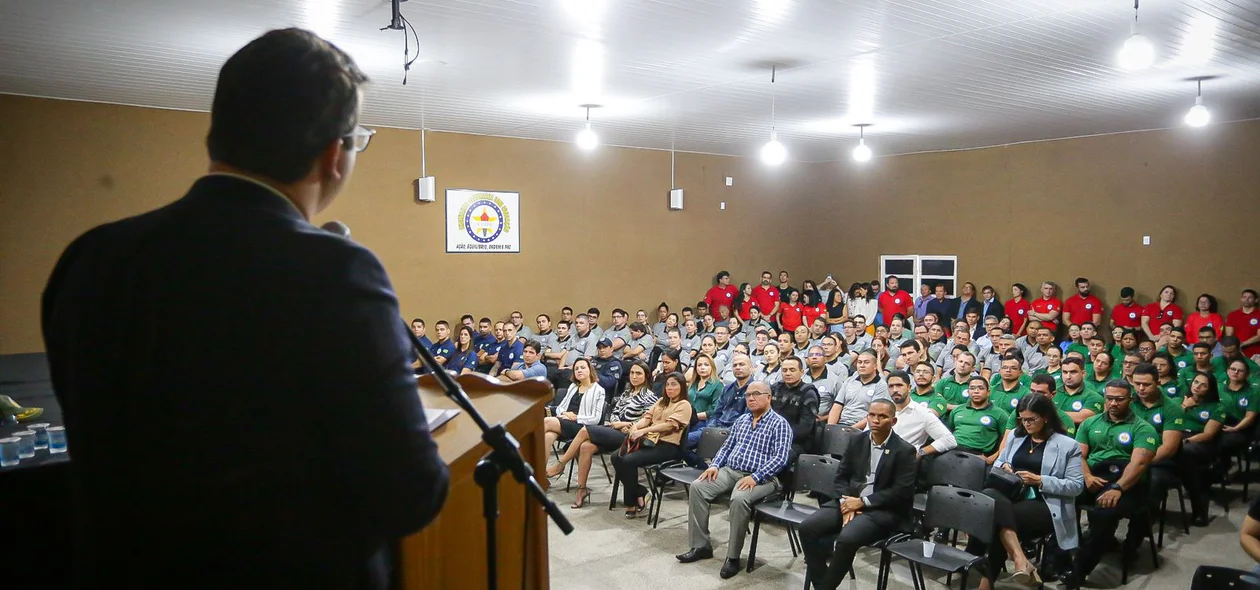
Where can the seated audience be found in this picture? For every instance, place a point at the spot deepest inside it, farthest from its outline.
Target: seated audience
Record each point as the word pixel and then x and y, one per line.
pixel 874 494
pixel 607 367
pixel 1205 417
pixel 771 371
pixel 528 367
pixel 1076 400
pixel 757 448
pixel 464 358
pixel 827 381
pixel 705 389
pixel 1048 461
pixel 979 426
pixel 509 351
pixel 854 396
pixel 582 405
pixel 1117 448
pixel 797 401
pixel 924 392
pixel 654 438
pixel 627 409
pixel 1168 419
pixel 915 423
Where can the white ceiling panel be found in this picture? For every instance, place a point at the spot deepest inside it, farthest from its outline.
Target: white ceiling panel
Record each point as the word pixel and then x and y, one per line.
pixel 693 74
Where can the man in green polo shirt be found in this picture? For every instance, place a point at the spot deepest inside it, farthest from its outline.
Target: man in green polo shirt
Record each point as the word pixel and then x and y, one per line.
pixel 924 394
pixel 1177 349
pixel 1229 353
pixel 1117 447
pixel 1168 419
pixel 1201 360
pixel 1077 401
pixel 979 426
pixel 1042 385
pixel 954 389
pixel 1009 390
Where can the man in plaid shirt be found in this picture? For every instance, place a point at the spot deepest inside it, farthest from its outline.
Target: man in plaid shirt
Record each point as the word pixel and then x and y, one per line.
pixel 756 450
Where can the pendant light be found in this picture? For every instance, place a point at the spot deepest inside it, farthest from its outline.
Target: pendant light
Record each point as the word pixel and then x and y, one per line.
pixel 773 153
pixel 586 139
pixel 1137 53
pixel 862 153
pixel 1198 114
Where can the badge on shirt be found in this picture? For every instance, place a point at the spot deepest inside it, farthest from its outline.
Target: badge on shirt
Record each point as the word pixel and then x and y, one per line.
pixel 1204 415
pixel 1133 315
pixel 1014 402
pixel 870 392
pixel 985 420
pixel 1157 418
pixel 1021 312
pixel 1124 438
pixel 1255 321
pixel 1115 469
pixel 1242 401
pixel 1089 306
pixel 1076 406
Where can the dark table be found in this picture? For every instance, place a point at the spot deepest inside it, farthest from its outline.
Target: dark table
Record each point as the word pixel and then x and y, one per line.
pixel 35 494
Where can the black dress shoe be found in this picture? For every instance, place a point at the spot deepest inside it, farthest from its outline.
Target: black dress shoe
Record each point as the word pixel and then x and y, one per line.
pixel 695 555
pixel 729 569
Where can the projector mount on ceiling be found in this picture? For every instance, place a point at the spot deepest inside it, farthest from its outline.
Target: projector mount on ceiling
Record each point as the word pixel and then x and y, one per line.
pixel 398 22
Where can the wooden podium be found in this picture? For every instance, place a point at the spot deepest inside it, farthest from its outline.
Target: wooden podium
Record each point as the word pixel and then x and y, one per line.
pixel 451 551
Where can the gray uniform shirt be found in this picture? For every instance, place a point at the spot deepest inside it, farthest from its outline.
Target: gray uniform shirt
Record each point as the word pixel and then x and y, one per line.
pixel 856 397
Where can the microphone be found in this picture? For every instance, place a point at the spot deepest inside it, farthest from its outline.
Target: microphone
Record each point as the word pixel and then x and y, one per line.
pixel 336 227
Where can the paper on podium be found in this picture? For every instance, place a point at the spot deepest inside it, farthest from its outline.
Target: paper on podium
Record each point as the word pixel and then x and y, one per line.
pixel 436 418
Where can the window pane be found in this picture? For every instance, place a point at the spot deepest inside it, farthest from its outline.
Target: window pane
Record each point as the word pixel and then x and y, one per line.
pixel 930 266
pixel 949 284
pixel 902 267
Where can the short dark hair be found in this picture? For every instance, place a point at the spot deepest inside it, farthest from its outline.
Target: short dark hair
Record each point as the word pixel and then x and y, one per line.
pixel 1252 291
pixel 566 308
pixel 280 101
pixel 618 311
pixel 1146 369
pixel 1080 280
pixel 1228 340
pixel 1071 360
pixel 442 323
pixel 904 376
pixel 792 358
pixel 543 315
pixel 1201 346
pixel 467 316
pixel 1120 384
pixel 638 327
pixel 534 345
pixel 1044 379
pixel 592 311
pixel 485 321
pixel 421 320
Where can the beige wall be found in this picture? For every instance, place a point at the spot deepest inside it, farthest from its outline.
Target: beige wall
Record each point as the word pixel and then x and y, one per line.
pixel 596 228
pixel 1059 209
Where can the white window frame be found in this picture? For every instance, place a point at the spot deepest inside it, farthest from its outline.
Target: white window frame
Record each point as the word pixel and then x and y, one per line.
pixel 919 277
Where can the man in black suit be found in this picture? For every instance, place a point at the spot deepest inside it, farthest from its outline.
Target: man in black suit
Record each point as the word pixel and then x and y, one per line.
pixel 875 487
pixel 255 452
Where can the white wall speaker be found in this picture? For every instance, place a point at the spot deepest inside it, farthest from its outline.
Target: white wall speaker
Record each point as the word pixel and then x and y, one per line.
pixel 426 189
pixel 676 199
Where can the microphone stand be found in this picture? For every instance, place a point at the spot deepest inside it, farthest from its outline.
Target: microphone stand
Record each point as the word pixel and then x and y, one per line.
pixel 504 456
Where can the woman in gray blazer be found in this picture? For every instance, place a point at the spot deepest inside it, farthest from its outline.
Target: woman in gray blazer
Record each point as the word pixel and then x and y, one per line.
pixel 1041 453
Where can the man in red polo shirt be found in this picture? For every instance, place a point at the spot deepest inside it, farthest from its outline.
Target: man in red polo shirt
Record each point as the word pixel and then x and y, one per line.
pixel 722 294
pixel 895 301
pixel 1083 306
pixel 1244 324
pixel 1128 313
pixel 766 296
pixel 1047 308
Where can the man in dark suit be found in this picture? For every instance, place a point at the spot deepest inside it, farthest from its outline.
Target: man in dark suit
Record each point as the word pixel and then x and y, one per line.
pixel 250 452
pixel 875 487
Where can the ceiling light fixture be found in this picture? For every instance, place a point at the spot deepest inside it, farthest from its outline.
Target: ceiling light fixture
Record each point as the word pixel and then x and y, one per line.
pixel 862 153
pixel 1198 114
pixel 1137 53
pixel 586 139
pixel 773 153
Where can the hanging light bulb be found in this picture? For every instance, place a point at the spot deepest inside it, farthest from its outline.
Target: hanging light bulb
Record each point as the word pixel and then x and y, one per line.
pixel 586 139
pixel 773 153
pixel 862 153
pixel 1198 114
pixel 1137 53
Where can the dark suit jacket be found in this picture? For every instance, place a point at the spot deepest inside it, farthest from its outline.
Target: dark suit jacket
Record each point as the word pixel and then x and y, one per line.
pixel 238 396
pixel 996 309
pixel 947 309
pixel 894 478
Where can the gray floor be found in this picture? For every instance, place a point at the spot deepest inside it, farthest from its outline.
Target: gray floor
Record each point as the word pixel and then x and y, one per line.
pixel 609 552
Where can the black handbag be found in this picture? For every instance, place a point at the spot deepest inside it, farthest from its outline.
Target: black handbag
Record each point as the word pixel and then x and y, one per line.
pixel 1006 483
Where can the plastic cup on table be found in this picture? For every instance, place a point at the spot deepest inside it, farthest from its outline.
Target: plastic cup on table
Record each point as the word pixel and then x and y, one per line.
pixel 929 548
pixel 41 434
pixel 57 439
pixel 26 448
pixel 9 451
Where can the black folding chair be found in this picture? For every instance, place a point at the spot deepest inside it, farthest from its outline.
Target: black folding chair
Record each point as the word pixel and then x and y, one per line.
pixel 610 401
pixel 814 473
pixel 711 441
pixel 836 439
pixel 1163 508
pixel 1214 577
pixel 954 469
pixel 948 508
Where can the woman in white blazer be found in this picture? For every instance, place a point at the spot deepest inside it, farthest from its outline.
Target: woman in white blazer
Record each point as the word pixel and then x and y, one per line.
pixel 1048 461
pixel 582 405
